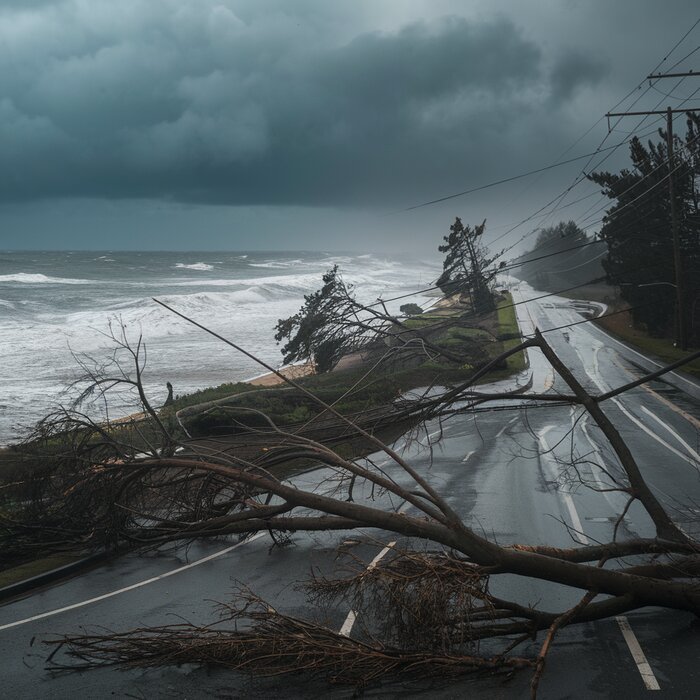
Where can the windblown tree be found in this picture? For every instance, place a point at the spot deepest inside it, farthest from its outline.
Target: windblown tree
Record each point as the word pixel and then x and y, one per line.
pixel 332 323
pixel 433 607
pixel 465 266
pixel 637 231
pixel 316 331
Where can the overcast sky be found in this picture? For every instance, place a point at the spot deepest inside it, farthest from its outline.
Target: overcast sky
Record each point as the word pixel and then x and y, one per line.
pixel 306 124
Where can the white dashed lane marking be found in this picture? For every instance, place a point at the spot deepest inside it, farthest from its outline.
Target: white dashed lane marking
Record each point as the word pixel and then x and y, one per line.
pixel 640 659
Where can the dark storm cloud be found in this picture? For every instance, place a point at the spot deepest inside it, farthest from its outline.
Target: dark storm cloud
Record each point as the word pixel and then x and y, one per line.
pixel 221 102
pixel 574 70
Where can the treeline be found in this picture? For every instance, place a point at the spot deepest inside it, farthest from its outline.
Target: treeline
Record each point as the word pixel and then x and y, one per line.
pixel 638 234
pixel 563 256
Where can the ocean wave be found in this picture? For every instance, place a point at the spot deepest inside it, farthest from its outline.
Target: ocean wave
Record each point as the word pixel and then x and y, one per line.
pixel 196 301
pixel 280 264
pixel 287 284
pixel 29 278
pixel 194 266
pixel 247 308
pixel 270 265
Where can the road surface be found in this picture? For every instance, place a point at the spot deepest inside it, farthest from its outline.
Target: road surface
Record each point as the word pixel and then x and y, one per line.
pixel 502 470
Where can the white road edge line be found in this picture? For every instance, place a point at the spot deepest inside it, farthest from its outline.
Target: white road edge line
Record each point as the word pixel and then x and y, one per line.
pixel 578 533
pixel 644 357
pixel 133 586
pixel 469 454
pixel 594 468
pixel 667 427
pixel 669 404
pixel 504 428
pixel 638 423
pixel 575 520
pixel 637 654
pixel 653 435
pixel 352 615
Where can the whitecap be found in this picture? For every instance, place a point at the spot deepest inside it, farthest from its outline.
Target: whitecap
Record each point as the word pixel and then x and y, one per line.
pixel 27 278
pixel 302 283
pixel 273 265
pixel 194 266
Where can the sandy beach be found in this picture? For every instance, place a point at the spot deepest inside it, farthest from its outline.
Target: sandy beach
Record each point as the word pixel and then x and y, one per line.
pixel 291 372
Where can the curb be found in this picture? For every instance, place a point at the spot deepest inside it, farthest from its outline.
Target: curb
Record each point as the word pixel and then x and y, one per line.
pixel 28 584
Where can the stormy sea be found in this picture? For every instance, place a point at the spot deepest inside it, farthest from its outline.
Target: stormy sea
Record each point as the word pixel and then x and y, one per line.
pixel 56 310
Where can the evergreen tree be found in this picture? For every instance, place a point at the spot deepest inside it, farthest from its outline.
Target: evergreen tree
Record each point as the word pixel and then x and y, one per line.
pixel 314 332
pixel 563 256
pixel 565 234
pixel 637 231
pixel 464 266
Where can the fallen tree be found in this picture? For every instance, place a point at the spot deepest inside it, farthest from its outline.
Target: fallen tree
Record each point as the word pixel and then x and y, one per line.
pixel 185 492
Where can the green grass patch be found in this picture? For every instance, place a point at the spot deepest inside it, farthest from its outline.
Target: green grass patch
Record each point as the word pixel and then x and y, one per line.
pixel 288 405
pixel 35 568
pixel 423 321
pixel 353 393
pixel 508 326
pixel 213 393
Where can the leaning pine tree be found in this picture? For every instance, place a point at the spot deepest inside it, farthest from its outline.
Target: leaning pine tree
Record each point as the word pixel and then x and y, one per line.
pixel 315 333
pixel 464 266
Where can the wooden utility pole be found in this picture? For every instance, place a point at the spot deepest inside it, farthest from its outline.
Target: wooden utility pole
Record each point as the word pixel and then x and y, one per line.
pixel 681 334
pixel 677 263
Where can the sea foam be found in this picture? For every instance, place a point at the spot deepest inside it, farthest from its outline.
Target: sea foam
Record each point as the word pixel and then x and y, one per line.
pixel 35 278
pixel 194 266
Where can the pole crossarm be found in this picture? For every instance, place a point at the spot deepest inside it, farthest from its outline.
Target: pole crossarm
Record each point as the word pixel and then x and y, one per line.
pixel 687 74
pixel 653 111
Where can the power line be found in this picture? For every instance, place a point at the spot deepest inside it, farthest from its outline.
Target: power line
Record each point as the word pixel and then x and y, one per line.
pixel 662 165
pixel 549 255
pixel 579 178
pixel 495 183
pixel 551 202
pixel 582 176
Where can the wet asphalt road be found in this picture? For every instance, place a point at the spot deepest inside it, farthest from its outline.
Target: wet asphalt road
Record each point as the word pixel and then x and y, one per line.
pixel 501 469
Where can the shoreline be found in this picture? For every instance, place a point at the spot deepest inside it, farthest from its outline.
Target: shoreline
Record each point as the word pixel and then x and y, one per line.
pixel 295 371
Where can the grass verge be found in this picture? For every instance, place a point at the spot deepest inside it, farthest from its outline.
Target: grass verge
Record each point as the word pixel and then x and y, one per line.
pixel 620 326
pixel 242 403
pixel 35 568
pixel 508 327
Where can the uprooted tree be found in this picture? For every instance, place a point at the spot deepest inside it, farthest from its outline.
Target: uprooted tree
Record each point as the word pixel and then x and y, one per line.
pixel 435 610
